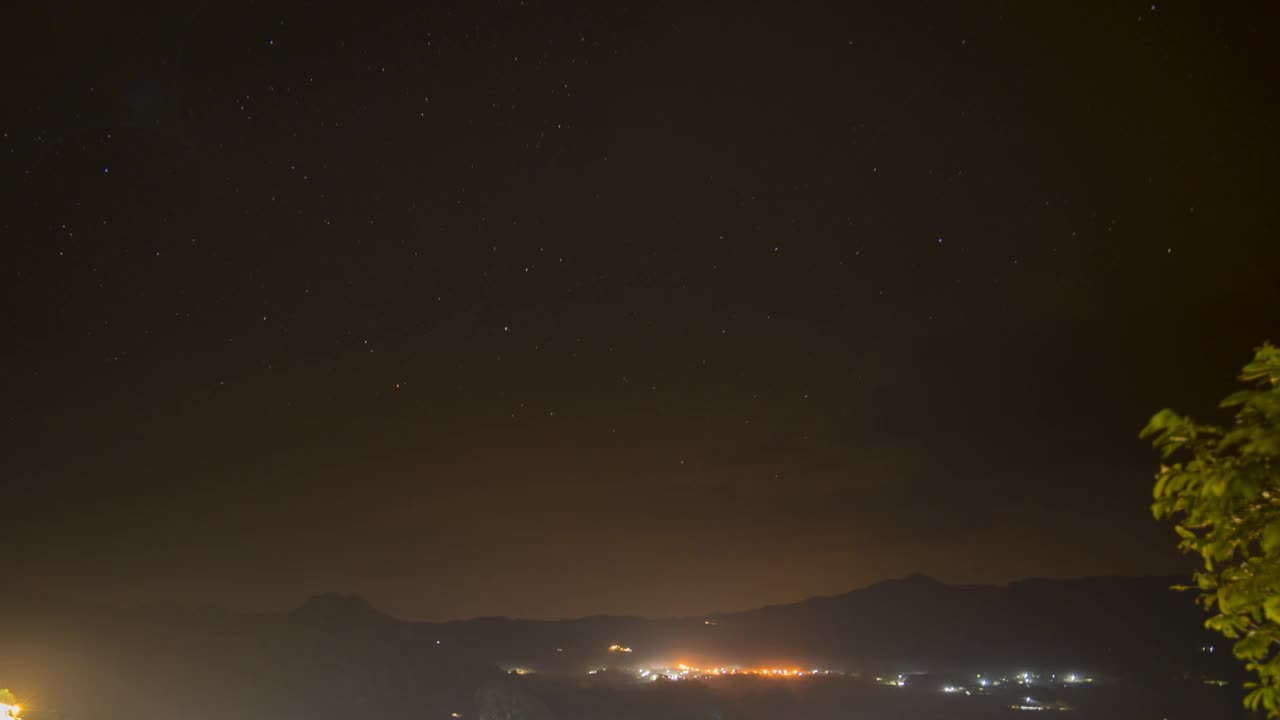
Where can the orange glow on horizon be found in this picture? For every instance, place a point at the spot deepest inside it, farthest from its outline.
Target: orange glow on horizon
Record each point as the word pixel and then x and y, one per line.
pixel 686 670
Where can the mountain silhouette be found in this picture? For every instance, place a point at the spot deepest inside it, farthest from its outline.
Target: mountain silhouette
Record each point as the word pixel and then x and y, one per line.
pixel 337 656
pixel 1131 625
pixel 339 609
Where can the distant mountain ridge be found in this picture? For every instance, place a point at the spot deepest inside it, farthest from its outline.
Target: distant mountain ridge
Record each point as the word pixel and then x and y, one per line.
pixel 339 647
pixel 329 603
pixel 912 623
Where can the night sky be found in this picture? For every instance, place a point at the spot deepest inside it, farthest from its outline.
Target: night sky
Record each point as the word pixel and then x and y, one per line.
pixel 548 310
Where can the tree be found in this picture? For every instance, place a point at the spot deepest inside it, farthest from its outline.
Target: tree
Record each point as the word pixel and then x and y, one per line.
pixel 1221 487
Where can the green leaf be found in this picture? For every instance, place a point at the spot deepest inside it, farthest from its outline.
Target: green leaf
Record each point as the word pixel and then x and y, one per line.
pixel 1271 537
pixel 1220 485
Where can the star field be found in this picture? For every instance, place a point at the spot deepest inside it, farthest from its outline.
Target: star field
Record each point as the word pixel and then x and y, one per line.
pixel 512 308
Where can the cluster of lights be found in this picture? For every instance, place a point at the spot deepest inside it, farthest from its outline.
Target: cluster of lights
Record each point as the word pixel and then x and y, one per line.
pixel 898 681
pixel 1025 679
pixel 619 649
pixel 1029 679
pixel 686 672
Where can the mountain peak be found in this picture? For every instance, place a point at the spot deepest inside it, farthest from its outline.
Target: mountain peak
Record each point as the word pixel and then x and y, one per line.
pixel 341 609
pixel 914 581
pixel 916 578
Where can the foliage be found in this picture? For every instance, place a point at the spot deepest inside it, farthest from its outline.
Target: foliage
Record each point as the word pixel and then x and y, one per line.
pixel 1221 486
pixel 496 702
